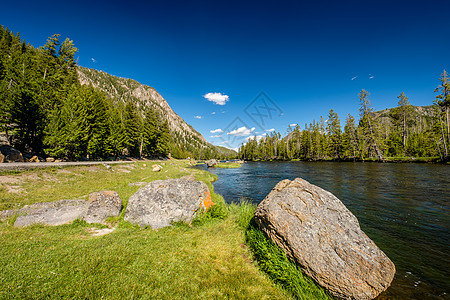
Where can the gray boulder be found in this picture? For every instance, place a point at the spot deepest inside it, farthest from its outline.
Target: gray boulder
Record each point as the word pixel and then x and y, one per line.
pixel 164 201
pixel 102 205
pixel 11 154
pixel 52 213
pixel 211 163
pixel 324 238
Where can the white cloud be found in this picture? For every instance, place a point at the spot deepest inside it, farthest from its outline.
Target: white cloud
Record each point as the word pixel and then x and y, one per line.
pixel 216 136
pixel 293 124
pixel 93 60
pixel 241 131
pixel 353 78
pixel 217 98
pixel 270 130
pixel 371 77
pixel 198 117
pixel 218 130
pixel 258 137
pixel 213 113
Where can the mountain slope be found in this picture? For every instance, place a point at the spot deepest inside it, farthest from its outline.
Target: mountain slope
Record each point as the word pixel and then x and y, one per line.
pixel 186 139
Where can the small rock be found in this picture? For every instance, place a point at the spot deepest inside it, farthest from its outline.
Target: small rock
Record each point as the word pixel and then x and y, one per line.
pixel 156 168
pixel 323 237
pixel 103 205
pixel 144 165
pixel 34 159
pixel 49 159
pixel 58 160
pixel 211 163
pixel 164 201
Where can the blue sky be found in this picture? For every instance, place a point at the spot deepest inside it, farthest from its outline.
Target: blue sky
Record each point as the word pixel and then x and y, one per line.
pixel 302 55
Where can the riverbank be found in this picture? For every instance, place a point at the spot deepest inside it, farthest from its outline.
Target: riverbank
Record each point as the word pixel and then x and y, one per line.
pixel 228 165
pixel 208 259
pixel 372 159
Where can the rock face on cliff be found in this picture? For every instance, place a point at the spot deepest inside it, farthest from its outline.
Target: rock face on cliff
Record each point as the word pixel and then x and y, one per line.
pixel 164 201
pixel 321 235
pixel 124 89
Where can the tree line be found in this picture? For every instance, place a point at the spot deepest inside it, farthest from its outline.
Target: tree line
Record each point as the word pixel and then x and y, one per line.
pixel 405 131
pixel 45 110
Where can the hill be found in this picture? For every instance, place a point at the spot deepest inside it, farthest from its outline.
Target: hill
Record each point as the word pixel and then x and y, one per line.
pixel 185 140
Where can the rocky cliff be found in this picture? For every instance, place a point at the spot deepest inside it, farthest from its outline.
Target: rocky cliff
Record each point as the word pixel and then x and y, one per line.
pixel 123 89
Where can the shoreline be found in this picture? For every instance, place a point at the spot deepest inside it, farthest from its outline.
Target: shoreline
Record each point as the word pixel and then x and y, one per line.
pixel 429 160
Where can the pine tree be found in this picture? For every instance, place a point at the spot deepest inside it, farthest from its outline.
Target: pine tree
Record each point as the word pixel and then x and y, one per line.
pixel 132 124
pixel 443 102
pixel 367 123
pixel 334 132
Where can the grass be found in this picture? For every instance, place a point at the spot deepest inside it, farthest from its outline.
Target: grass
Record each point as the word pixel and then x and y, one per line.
pixel 228 165
pixel 273 260
pixel 220 255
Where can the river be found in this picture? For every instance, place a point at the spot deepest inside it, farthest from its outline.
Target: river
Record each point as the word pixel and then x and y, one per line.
pixel 403 208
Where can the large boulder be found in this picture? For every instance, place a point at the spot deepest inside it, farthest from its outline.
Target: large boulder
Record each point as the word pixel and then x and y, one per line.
pixel 52 213
pixel 211 163
pixel 102 205
pixel 323 237
pixel 2 158
pixel 164 201
pixel 11 154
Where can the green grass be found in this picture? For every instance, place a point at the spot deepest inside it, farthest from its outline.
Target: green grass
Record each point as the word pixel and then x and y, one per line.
pixel 228 165
pixel 273 260
pixel 47 185
pixel 179 262
pixel 221 254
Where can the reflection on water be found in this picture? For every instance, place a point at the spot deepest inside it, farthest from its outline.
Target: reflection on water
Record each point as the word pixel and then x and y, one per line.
pixel 404 208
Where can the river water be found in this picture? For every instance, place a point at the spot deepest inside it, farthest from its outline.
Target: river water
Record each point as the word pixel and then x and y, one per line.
pixel 403 208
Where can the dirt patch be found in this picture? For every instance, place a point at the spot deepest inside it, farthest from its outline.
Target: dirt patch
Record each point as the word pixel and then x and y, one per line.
pixel 49 177
pixel 9 180
pixel 94 169
pixel 29 177
pixel 123 170
pixel 64 172
pixel 15 189
pixel 99 232
pixel 130 167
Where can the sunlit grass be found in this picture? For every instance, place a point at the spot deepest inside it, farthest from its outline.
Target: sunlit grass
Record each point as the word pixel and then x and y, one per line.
pixel 228 165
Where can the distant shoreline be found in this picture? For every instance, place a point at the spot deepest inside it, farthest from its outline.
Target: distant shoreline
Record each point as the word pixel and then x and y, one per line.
pixel 433 160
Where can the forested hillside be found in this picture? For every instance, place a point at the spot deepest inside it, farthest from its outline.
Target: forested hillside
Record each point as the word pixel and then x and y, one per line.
pixel 405 131
pixel 52 107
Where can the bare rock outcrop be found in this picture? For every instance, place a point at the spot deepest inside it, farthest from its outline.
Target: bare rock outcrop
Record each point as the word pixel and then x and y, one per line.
pixel 101 206
pixel 164 201
pixel 324 238
pixel 52 213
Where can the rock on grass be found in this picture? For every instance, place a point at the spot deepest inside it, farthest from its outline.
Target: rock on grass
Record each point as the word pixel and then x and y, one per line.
pixel 164 201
